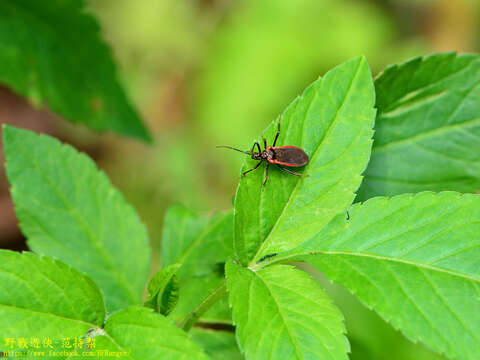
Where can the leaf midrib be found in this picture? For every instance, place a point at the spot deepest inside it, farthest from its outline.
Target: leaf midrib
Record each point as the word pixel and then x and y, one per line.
pixel 291 257
pixel 333 121
pixel 289 332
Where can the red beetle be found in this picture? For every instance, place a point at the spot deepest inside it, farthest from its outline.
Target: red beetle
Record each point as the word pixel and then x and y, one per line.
pixel 283 155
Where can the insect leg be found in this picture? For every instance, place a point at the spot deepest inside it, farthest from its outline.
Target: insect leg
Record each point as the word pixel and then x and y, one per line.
pixel 256 166
pixel 253 148
pixel 258 146
pixel 278 133
pixel 266 177
pixel 290 171
pixel 264 143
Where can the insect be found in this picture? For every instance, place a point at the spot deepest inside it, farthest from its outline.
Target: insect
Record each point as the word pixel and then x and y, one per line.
pixel 280 156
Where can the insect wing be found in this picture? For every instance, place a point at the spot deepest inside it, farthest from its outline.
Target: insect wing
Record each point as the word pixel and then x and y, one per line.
pixel 290 156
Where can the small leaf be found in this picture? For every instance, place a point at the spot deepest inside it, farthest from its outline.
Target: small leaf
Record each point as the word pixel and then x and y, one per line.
pixel 428 127
pixel 69 210
pixel 332 121
pixel 163 290
pixel 198 243
pixel 140 334
pixel 415 260
pixel 44 298
pixel 51 52
pixel 219 345
pixel 281 313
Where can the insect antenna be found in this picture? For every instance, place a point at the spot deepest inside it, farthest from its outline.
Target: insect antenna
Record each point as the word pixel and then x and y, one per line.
pixel 232 148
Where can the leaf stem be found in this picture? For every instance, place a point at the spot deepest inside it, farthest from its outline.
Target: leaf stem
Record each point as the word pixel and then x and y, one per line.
pixel 187 323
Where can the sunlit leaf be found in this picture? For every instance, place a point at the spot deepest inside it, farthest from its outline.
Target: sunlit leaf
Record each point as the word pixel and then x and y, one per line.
pixel 332 121
pixel 415 260
pixel 281 313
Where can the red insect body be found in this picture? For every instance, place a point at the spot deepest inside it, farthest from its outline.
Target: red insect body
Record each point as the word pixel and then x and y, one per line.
pixel 291 156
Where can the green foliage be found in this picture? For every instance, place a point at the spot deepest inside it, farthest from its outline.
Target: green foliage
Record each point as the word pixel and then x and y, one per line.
pixel 414 259
pixel 27 307
pixel 281 313
pixel 195 289
pixel 51 53
pixel 146 335
pixel 332 121
pixel 411 258
pixel 163 290
pixel 427 127
pixel 200 245
pixel 69 210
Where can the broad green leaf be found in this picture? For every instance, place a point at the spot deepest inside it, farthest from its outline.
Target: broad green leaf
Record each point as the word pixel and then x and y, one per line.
pixel 332 121
pixel 219 345
pixel 193 291
pixel 68 209
pixel 415 260
pixel 51 52
pixel 281 313
pixel 163 290
pixel 44 298
pixel 428 127
pixel 200 244
pixel 140 334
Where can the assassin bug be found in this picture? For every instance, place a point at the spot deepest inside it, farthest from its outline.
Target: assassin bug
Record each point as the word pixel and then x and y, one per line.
pixel 283 155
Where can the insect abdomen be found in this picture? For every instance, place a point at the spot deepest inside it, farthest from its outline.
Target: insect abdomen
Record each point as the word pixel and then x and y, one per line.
pixel 290 156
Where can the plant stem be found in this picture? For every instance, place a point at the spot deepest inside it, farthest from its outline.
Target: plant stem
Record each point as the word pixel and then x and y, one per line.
pixel 187 323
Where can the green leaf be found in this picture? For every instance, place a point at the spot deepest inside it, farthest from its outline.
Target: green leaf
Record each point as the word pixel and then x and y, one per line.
pixel 163 290
pixel 44 298
pixel 415 260
pixel 332 121
pixel 281 313
pixel 69 210
pixel 219 345
pixel 199 243
pixel 51 52
pixel 28 309
pixel 193 291
pixel 428 127
pixel 144 335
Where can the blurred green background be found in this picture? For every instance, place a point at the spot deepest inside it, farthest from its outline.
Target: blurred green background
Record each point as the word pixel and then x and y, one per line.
pixel 210 72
